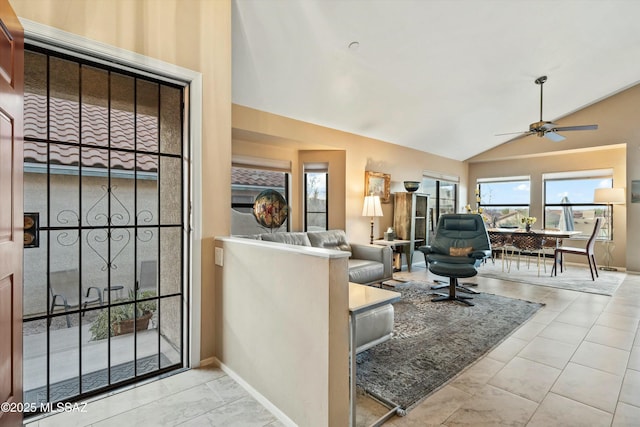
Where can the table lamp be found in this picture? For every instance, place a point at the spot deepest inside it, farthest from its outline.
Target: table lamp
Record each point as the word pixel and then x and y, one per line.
pixel 609 196
pixel 372 208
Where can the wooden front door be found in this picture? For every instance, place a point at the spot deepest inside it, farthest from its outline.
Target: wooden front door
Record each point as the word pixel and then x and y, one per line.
pixel 11 217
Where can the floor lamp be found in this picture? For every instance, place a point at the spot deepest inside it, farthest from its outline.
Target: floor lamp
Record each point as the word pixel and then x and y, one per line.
pixel 609 196
pixel 372 208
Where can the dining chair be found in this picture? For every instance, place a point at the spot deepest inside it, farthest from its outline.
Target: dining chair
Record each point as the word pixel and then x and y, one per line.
pixel 529 243
pixel 550 242
pixel 498 245
pixel 587 251
pixel 64 286
pixel 148 276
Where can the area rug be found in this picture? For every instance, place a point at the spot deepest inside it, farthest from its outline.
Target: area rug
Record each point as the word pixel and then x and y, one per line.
pixel 433 341
pixel 574 277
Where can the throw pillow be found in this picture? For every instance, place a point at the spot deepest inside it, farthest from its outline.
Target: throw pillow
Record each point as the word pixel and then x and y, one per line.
pixel 460 251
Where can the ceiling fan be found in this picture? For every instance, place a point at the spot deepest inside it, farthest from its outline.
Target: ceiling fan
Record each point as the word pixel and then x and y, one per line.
pixel 549 129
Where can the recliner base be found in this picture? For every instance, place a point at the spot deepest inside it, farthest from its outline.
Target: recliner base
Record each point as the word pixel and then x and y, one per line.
pixel 459 298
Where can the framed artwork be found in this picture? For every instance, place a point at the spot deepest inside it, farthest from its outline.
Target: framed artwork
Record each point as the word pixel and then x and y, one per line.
pixel 377 184
pixel 635 191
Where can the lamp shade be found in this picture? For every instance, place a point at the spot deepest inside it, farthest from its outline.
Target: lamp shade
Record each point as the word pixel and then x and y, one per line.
pixel 372 206
pixel 610 196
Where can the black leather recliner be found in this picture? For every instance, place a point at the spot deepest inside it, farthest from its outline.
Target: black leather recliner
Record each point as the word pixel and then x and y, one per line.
pixel 460 244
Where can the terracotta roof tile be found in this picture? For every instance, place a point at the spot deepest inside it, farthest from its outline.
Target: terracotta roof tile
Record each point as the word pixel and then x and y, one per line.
pixel 95 119
pixel 262 178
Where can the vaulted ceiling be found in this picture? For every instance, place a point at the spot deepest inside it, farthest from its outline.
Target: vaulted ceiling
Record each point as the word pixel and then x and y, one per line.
pixel 439 76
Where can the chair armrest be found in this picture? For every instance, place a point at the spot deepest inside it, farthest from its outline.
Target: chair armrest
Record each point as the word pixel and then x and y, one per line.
pixel 369 252
pixel 383 254
pixel 54 299
pixel 480 254
pixel 427 249
pixel 98 290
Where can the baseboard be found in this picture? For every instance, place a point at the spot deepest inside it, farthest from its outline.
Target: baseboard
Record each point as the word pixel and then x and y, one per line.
pixel 281 416
pixel 210 361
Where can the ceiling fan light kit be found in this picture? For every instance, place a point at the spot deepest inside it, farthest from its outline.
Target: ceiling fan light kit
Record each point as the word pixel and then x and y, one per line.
pixel 549 129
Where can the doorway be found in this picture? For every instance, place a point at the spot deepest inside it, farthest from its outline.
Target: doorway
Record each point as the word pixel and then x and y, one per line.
pixel 105 254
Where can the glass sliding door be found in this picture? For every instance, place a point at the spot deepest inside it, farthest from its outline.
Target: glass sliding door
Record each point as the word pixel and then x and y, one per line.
pixel 104 186
pixel 443 200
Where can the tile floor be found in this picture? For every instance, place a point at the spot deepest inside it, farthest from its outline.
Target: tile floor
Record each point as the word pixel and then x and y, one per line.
pixel 195 398
pixel 575 363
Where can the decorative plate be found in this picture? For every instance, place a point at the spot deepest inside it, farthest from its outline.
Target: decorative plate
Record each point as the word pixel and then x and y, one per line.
pixel 270 209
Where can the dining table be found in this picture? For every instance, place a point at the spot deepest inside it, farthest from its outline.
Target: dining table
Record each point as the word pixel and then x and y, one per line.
pixel 551 233
pixel 552 237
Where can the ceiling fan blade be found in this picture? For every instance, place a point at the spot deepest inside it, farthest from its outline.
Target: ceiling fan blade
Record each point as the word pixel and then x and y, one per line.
pixel 585 127
pixel 554 136
pixel 511 133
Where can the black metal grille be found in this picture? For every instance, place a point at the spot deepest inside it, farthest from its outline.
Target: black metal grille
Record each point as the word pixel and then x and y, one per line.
pixel 115 198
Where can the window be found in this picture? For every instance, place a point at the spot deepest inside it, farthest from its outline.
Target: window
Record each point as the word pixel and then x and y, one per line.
pixel 568 201
pixel 315 199
pixel 505 201
pixel 247 182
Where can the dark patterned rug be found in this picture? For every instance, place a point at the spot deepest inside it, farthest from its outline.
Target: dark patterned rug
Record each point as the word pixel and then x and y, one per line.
pixel 433 341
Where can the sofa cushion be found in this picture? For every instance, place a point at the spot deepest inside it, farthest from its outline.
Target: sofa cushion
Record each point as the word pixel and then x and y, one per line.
pixel 365 271
pixel 330 239
pixel 291 238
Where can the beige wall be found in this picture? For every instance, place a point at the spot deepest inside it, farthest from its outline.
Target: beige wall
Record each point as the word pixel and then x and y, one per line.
pixel 361 154
pixel 618 126
pixel 288 338
pixel 194 34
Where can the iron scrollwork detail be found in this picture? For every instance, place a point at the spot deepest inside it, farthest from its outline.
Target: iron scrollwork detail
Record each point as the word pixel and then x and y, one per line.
pixel 118 212
pixel 117 239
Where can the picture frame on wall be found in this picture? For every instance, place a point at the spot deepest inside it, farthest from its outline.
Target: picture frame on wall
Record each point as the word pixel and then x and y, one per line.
pixel 377 184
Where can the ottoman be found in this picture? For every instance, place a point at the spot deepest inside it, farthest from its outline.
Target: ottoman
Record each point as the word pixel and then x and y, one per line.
pixel 453 272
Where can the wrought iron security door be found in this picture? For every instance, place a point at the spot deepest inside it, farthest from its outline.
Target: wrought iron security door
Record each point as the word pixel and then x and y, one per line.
pixel 104 169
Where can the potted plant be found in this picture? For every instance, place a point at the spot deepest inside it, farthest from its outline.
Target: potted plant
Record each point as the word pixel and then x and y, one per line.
pixel 122 317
